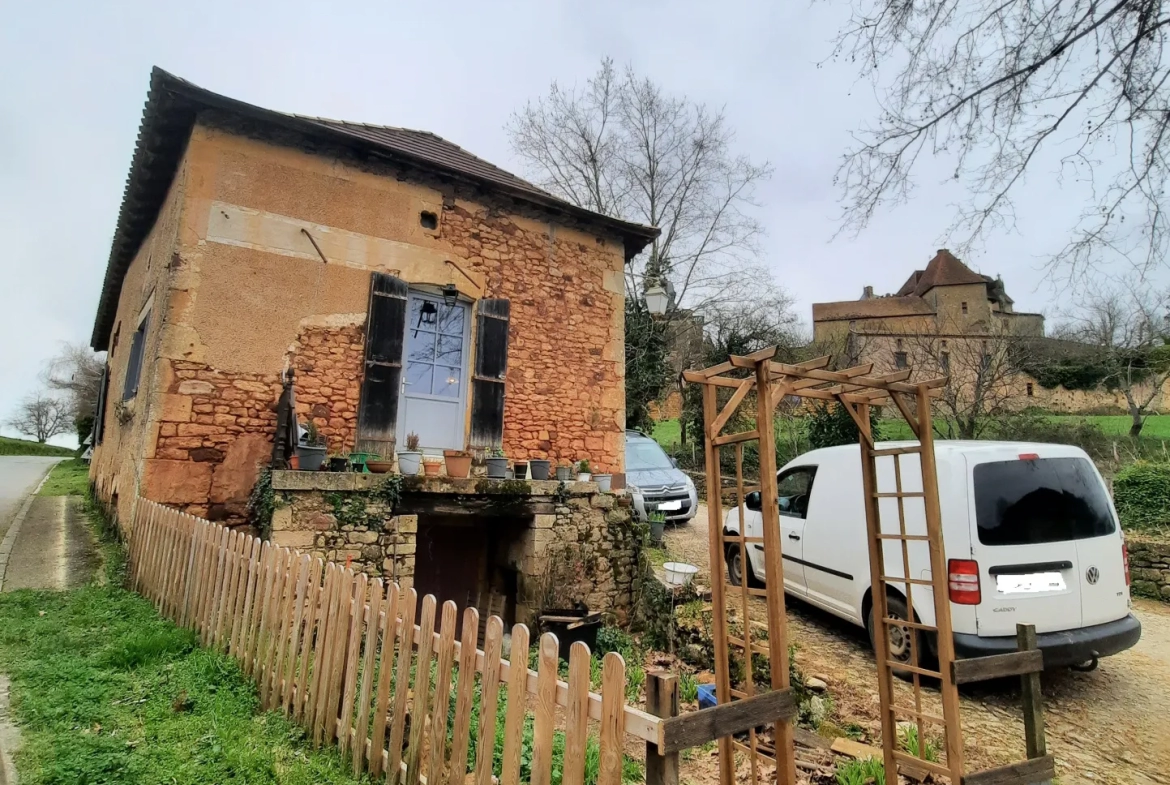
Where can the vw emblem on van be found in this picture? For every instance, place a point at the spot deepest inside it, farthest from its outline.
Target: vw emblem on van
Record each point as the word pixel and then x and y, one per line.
pixel 1092 575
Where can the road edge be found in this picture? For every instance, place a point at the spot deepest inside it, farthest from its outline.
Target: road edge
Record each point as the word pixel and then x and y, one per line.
pixel 14 530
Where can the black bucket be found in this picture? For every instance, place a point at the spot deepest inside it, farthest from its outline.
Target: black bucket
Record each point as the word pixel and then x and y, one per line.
pixel 571 626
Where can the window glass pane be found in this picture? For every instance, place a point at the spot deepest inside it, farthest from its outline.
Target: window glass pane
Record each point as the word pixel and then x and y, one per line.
pixel 418 378
pixel 446 381
pixel 424 316
pixel 643 454
pixel 422 347
pixel 1037 501
pixel 451 319
pixel 793 492
pixel 450 350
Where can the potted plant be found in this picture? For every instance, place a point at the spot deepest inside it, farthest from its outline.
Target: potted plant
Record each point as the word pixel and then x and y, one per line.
pixel 338 463
pixel 657 526
pixel 564 472
pixel 497 464
pixel 520 470
pixel 604 482
pixel 410 459
pixel 538 468
pixel 458 462
pixel 311 449
pixel 431 465
pixel 583 472
pixel 377 465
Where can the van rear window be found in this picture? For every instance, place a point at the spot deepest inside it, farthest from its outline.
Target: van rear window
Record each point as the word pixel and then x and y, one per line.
pixel 1025 502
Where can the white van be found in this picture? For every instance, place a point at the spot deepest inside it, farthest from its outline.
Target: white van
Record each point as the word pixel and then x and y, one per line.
pixel 1030 536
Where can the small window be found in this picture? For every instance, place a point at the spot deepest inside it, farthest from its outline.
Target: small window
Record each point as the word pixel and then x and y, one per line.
pixel 1038 501
pixel 1031 392
pixel 134 364
pixel 964 306
pixel 900 360
pixel 944 361
pixel 898 345
pixel 429 220
pixel 943 344
pixel 793 489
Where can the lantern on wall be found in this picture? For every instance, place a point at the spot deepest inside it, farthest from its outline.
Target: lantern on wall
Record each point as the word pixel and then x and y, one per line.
pixel 657 300
pixel 450 295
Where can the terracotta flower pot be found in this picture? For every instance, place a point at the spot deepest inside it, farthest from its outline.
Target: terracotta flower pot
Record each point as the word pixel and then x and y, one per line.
pixel 458 463
pixel 431 468
pixel 379 467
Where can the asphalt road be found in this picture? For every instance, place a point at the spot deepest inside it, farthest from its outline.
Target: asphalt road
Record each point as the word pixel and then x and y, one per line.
pixel 19 475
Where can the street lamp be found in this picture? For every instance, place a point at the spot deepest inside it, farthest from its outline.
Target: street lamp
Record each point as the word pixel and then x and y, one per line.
pixel 450 295
pixel 657 299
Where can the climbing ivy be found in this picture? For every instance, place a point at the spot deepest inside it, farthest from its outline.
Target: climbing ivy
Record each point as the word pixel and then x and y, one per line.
pixel 263 503
pixel 352 508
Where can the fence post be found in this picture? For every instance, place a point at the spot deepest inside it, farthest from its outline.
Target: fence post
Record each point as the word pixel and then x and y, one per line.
pixel 661 701
pixel 1031 697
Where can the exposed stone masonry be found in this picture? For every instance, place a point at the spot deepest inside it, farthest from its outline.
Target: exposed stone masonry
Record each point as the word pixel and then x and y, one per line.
pixel 1149 566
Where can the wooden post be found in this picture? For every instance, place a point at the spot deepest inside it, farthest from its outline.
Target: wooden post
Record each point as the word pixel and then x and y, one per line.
pixel 1030 696
pixel 718 600
pixel 774 569
pixel 661 701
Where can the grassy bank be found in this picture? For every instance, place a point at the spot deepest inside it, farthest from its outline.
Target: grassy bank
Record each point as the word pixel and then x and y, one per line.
pixel 67 478
pixel 106 691
pixel 9 446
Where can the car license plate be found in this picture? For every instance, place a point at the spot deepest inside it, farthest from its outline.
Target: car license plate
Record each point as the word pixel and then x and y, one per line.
pixel 669 506
pixel 1029 584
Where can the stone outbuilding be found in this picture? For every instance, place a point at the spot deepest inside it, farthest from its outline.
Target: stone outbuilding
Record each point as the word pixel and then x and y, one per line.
pixel 409 286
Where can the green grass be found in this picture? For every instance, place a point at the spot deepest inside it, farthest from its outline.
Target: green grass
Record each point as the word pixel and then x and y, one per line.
pixel 105 691
pixel 67 478
pixel 667 432
pixel 9 446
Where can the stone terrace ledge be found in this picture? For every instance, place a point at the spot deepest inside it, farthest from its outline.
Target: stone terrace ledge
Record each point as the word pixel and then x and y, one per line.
pixel 453 495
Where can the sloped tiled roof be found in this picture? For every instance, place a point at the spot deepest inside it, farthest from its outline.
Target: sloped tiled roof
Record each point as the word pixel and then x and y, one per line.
pixel 944 269
pixel 877 307
pixel 172 106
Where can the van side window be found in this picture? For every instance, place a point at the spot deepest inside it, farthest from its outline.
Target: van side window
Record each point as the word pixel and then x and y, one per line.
pixel 793 488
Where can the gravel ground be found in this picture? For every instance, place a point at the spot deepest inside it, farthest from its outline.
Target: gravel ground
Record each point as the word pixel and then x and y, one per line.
pixel 1103 727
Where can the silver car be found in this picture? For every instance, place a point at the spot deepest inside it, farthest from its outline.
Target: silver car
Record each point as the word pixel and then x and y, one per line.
pixel 656 483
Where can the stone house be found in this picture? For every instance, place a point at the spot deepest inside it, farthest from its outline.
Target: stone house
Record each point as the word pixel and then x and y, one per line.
pixel 946 319
pixel 407 284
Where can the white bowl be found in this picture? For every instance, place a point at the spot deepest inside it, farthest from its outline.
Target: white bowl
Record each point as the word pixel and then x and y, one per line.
pixel 679 573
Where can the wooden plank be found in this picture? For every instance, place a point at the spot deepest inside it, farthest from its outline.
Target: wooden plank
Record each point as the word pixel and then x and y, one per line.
pixel 493 641
pixel 422 685
pixel 661 701
pixel 730 407
pixel 545 709
pixel 177 603
pixel 323 653
pixel 1031 697
pixel 409 604
pixel 1025 773
pixel 735 438
pixel 517 704
pixel 347 586
pixel 697 728
pixel 612 736
pixel 228 600
pixel 441 703
pixel 997 666
pixel 465 692
pixel 352 658
pixel 280 581
pixel 369 663
pixel 576 715
pixel 854 749
pixel 250 569
pixel 286 657
pixel 215 590
pixel 751 360
pixel 385 681
pixel 299 701
pixel 255 613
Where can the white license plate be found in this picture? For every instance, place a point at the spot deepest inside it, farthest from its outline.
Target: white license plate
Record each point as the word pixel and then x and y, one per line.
pixel 1029 584
pixel 668 506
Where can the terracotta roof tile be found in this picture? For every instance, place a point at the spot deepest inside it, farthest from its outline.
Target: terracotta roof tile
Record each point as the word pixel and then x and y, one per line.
pixel 878 307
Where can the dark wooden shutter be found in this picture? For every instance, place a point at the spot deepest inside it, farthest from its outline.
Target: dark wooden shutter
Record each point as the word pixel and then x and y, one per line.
pixel 134 364
pixel 491 366
pixel 99 415
pixel 385 330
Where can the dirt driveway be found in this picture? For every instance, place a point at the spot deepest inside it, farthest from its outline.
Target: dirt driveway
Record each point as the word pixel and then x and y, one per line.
pixel 1107 726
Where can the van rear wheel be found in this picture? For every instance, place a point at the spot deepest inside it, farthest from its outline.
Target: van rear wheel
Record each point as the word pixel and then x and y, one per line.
pixel 736 567
pixel 900 639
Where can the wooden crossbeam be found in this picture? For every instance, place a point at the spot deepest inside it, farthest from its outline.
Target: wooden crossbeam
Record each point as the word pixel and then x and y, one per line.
pixel 1041 769
pixel 813 364
pixel 696 728
pixel 862 425
pixel 997 666
pixel 750 360
pixel 896 376
pixel 729 409
pixel 904 408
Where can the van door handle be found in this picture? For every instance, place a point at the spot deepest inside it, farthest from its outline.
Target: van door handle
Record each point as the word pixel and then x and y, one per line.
pixel 794 536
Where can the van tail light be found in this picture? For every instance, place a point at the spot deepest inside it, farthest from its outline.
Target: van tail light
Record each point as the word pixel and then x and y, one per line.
pixel 1125 561
pixel 963 579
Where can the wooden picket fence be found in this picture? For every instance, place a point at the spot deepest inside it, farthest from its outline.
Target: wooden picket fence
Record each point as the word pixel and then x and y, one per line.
pixel 338 652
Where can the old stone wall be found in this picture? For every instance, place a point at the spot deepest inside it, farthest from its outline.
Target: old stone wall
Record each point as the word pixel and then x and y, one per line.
pixel 1149 566
pixel 584 549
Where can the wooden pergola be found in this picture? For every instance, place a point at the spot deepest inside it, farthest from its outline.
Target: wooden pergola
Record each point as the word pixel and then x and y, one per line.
pixel 856 389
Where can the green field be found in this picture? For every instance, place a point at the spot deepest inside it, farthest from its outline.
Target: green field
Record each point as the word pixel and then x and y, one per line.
pixel 68 478
pixel 9 446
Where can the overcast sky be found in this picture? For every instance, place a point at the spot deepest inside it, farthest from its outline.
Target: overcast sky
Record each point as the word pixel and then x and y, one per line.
pixel 75 78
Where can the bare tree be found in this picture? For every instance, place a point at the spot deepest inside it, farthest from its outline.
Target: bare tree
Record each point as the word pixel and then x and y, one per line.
pixel 1128 330
pixel 621 146
pixel 998 85
pixel 76 372
pixel 41 416
pixel 983 374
